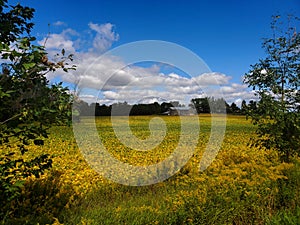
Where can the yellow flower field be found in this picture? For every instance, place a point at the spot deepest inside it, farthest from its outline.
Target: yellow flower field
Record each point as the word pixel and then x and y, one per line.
pixel 243 185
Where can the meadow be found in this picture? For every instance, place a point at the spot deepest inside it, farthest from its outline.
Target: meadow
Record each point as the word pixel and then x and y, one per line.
pixel 243 185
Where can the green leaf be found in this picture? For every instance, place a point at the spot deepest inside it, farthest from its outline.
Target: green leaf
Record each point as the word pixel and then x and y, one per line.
pixel 19 183
pixel 28 66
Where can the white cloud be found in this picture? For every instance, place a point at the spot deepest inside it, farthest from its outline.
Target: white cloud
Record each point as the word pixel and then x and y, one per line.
pixel 263 71
pixel 105 36
pixel 88 98
pixel 113 81
pixel 212 79
pixel 227 89
pixel 135 96
pixel 133 83
pixel 56 42
pixel 59 23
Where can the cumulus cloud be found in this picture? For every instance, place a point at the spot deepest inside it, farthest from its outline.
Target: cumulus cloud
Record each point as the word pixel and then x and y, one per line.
pixel 212 79
pixel 56 42
pixel 119 82
pixel 105 36
pixel 108 79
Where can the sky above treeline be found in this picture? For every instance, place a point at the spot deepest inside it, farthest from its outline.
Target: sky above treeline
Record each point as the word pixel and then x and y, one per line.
pixel 226 35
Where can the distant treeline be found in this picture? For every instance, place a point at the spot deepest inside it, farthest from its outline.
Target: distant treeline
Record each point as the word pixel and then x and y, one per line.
pixel 198 105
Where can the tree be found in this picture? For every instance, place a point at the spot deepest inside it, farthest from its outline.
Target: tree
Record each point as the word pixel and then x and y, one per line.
pixel 228 108
pixel 201 105
pixel 243 107
pixel 234 108
pixel 218 105
pixel 29 104
pixel 276 79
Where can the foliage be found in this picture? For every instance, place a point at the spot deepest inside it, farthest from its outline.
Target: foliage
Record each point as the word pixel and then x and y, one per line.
pixel 201 105
pixel 213 105
pixel 276 80
pixel 29 105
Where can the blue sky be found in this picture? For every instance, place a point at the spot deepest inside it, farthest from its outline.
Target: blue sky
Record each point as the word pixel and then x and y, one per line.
pixel 226 34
